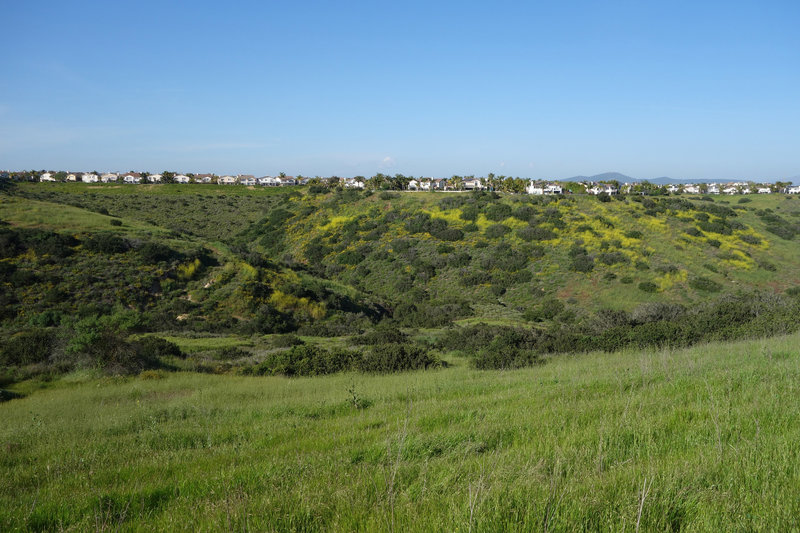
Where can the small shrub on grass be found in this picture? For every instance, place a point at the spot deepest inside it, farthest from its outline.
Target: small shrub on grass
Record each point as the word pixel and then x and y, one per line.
pixel 158 347
pixel 793 291
pixel 385 358
pixel 714 242
pixel 705 284
pixel 627 280
pixel 648 286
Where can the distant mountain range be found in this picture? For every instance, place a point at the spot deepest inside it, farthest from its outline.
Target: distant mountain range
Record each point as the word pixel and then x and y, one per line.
pixel 664 180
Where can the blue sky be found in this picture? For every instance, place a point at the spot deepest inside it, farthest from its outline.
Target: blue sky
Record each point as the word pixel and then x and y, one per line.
pixel 530 89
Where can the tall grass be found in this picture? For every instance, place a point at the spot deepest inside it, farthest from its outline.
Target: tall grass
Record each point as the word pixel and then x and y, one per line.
pixel 697 440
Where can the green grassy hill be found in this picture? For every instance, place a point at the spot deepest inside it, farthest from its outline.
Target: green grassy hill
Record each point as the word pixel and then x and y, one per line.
pixel 699 439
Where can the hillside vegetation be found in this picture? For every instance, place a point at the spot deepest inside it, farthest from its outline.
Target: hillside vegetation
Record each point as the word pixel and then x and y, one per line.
pixel 315 281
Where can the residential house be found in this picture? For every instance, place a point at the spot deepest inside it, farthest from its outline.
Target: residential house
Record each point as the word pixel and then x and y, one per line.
pixel 154 178
pixel 553 188
pixel 673 189
pixel 72 176
pixel 764 190
pixel 600 188
pixel 534 188
pixel 730 190
pixel 691 189
pixel 47 176
pixel 182 178
pixel 227 180
pixel 713 189
pixel 247 179
pixel 89 177
pixel 413 185
pixel 203 178
pixel 352 183
pixel 132 177
pixel 288 180
pixel 472 184
pixel 269 181
pixel 109 177
pixel 793 190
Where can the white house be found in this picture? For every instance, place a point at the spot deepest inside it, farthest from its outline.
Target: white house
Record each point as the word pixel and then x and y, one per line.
pixel 72 176
pixel 553 188
pixel 154 178
pixel 227 180
pixel 269 181
pixel 730 190
pixel 413 185
pixel 247 179
pixel 793 190
pixel 288 180
pixel 672 189
pixel 182 178
pixel 132 177
pixel 713 189
pixel 533 188
pixel 472 184
pixel 109 178
pixel 47 176
pixel 764 190
pixel 89 177
pixel 203 178
pixel 691 189
pixel 352 183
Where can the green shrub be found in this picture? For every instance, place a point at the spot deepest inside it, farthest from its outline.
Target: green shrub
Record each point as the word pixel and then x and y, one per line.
pixel 648 286
pixel 158 347
pixel 581 263
pixel 496 231
pixel 749 239
pixel 385 358
pixel 28 347
pixel 535 233
pixel 497 212
pixel 705 284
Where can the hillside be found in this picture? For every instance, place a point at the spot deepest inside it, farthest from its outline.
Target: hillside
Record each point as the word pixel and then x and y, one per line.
pixel 693 440
pixel 360 279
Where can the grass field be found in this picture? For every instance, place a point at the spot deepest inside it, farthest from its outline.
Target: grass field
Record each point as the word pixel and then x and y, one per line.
pixel 695 440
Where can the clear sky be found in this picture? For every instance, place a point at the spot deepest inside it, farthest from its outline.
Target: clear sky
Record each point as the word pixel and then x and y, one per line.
pixel 694 89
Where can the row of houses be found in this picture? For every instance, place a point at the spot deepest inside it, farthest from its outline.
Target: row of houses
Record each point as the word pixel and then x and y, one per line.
pixel 728 188
pixel 420 184
pixel 137 178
